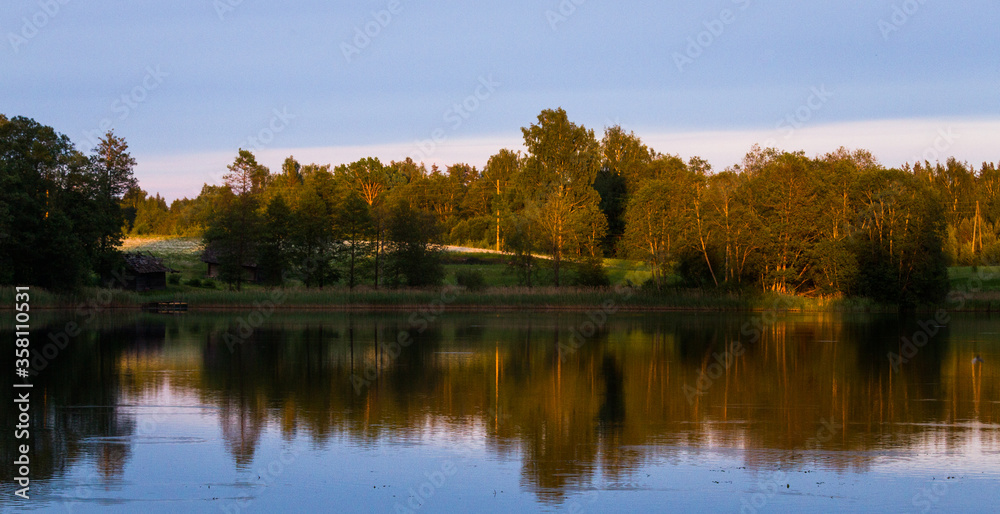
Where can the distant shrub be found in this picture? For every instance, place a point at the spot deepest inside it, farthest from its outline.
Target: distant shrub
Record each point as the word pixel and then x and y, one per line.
pixel 194 282
pixel 173 279
pixel 472 279
pixel 590 273
pixel 649 286
pixel 208 284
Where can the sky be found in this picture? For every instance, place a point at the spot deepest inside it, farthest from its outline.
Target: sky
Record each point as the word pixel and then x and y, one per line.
pixel 187 83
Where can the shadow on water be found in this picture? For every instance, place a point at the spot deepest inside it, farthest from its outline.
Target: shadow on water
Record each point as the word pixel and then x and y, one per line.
pixel 815 390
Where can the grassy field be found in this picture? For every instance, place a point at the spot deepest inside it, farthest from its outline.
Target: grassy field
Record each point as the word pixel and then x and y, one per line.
pixel 974 278
pixel 501 292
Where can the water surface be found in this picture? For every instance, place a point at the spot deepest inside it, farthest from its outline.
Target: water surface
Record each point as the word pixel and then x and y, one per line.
pixel 513 412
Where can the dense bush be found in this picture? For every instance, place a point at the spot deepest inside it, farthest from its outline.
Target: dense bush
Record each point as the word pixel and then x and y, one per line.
pixel 471 279
pixel 590 273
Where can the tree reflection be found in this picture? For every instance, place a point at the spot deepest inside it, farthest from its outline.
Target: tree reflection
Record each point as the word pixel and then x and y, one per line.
pixel 813 390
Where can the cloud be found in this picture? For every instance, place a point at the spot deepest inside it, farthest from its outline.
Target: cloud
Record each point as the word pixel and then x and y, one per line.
pixel 176 176
pixel 893 142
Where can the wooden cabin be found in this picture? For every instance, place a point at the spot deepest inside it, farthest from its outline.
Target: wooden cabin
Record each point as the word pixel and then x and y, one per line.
pixel 145 272
pixel 211 257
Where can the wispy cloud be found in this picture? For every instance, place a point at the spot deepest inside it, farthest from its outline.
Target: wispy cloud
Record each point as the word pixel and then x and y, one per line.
pixel 893 142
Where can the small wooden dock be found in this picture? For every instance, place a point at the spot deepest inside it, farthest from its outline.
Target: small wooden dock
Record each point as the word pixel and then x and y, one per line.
pixel 165 307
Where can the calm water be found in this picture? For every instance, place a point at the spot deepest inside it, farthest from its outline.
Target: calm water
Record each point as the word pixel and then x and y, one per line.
pixel 512 412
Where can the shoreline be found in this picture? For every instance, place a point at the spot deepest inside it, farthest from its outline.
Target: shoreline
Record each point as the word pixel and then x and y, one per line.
pixel 451 299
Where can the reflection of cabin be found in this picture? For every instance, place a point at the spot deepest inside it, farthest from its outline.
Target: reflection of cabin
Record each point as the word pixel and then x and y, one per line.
pixel 211 257
pixel 144 272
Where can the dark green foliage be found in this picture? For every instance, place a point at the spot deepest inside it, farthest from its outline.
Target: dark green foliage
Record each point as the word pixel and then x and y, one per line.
pixel 194 282
pixel 471 231
pixel 411 259
pixel 312 238
pixel 692 269
pixel 900 257
pixel 275 246
pixel 611 187
pixel 520 245
pixel 232 235
pixel 173 279
pixel 778 223
pixel 354 223
pixel 590 273
pixel 59 215
pixel 471 279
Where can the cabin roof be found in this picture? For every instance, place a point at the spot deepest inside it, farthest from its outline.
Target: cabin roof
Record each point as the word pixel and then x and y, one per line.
pixel 145 263
pixel 211 256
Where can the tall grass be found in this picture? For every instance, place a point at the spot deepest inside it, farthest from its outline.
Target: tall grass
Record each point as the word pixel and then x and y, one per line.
pixel 506 298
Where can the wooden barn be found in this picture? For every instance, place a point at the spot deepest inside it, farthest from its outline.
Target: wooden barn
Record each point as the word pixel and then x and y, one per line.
pixel 144 272
pixel 211 257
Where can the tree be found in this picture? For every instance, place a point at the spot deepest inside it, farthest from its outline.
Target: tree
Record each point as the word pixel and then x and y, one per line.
pixel 234 230
pixel 563 160
pixel 371 180
pixel 500 171
pixel 784 192
pixel 354 223
pixel 412 259
pixel 275 243
pixel 520 243
pixel 312 234
pixel 898 246
pixel 625 155
pixel 653 224
pixel 52 220
pixel 112 166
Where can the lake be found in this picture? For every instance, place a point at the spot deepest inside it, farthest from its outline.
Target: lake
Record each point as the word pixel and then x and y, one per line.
pixel 511 412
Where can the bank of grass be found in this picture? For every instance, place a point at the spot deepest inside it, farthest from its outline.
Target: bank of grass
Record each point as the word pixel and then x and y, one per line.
pixel 501 291
pixel 975 278
pixel 452 298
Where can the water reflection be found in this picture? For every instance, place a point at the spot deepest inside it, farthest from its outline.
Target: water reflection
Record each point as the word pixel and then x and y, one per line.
pixel 807 390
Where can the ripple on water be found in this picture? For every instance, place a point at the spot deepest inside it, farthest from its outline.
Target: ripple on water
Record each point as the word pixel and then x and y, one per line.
pixel 143 440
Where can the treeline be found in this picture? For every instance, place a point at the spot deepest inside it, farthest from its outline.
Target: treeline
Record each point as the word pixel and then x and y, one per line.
pixel 60 210
pixel 836 224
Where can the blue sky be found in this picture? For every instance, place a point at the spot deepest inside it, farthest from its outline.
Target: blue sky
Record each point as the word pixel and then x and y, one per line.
pixel 187 83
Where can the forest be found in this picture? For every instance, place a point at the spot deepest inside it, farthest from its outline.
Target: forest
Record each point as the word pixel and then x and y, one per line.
pixel 839 224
